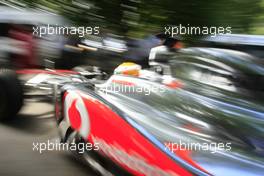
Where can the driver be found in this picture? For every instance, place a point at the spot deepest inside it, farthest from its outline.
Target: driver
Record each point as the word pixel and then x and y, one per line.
pixel 128 68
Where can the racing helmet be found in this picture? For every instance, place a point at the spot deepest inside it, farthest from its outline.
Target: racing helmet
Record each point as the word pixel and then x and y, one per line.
pixel 128 68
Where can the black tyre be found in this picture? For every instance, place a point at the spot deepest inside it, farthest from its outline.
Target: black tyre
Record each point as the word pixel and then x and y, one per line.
pixel 11 94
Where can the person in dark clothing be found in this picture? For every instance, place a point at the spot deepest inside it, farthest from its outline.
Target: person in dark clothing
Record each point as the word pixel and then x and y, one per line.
pixel 138 50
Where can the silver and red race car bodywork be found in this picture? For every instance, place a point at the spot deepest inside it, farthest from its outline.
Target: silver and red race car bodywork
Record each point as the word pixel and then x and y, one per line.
pixel 119 137
pixel 137 127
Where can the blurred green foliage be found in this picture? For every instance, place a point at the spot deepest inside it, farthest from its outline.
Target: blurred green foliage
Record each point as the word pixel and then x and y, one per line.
pixel 139 17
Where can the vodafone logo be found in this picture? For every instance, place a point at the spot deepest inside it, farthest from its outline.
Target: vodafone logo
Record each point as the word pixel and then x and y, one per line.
pixel 76 113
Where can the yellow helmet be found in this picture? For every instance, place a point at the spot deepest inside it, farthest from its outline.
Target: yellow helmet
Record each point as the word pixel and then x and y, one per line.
pixel 128 68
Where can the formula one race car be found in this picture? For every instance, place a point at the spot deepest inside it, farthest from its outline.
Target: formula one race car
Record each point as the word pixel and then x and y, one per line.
pixel 179 122
pixel 149 124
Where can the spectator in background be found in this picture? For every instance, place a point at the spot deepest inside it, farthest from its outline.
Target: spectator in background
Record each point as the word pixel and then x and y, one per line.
pixel 138 50
pixel 169 44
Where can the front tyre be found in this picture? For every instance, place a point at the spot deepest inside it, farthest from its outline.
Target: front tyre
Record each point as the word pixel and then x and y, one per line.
pixel 11 94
